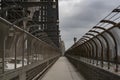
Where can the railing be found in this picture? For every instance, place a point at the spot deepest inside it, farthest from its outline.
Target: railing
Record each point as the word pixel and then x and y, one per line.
pixel 92 72
pixel 23 53
pixel 101 44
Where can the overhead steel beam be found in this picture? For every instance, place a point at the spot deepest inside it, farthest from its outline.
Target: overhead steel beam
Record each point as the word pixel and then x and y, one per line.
pixel 27 4
pixel 43 22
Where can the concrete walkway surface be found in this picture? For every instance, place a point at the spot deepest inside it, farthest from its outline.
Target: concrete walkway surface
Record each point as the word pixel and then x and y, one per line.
pixel 63 70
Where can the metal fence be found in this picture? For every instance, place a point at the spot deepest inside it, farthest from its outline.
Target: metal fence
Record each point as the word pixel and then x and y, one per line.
pixel 22 52
pixel 101 44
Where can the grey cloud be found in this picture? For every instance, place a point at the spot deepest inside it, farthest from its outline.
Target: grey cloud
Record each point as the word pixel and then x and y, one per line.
pixel 83 16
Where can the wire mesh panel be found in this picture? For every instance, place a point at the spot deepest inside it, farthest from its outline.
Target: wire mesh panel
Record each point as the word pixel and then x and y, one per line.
pixel 104 41
pixel 19 48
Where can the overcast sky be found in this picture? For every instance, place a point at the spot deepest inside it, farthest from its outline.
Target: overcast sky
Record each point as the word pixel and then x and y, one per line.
pixel 79 16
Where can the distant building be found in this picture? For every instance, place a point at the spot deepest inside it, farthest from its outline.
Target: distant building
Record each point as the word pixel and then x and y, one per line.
pixel 62 47
pixel 75 39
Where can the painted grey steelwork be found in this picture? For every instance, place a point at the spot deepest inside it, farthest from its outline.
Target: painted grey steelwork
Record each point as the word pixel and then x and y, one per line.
pixel 29 38
pixel 100 45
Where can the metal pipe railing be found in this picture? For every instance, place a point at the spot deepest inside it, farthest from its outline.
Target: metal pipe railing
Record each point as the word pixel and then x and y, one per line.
pixel 24 49
pixel 109 48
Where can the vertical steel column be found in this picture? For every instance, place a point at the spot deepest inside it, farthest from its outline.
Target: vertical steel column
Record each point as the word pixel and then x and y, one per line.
pixel 15 51
pixel 3 57
pixel 23 51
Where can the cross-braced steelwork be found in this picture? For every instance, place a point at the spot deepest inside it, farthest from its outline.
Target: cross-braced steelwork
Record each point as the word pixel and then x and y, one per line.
pixel 29 38
pixel 36 16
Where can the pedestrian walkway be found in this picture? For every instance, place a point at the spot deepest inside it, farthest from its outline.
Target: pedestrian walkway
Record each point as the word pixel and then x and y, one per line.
pixel 63 70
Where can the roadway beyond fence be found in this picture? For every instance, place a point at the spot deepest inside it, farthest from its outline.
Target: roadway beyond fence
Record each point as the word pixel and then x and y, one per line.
pixel 62 70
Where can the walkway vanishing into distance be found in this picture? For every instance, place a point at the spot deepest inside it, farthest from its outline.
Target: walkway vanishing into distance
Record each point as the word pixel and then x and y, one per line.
pixel 63 70
pixel 31 47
